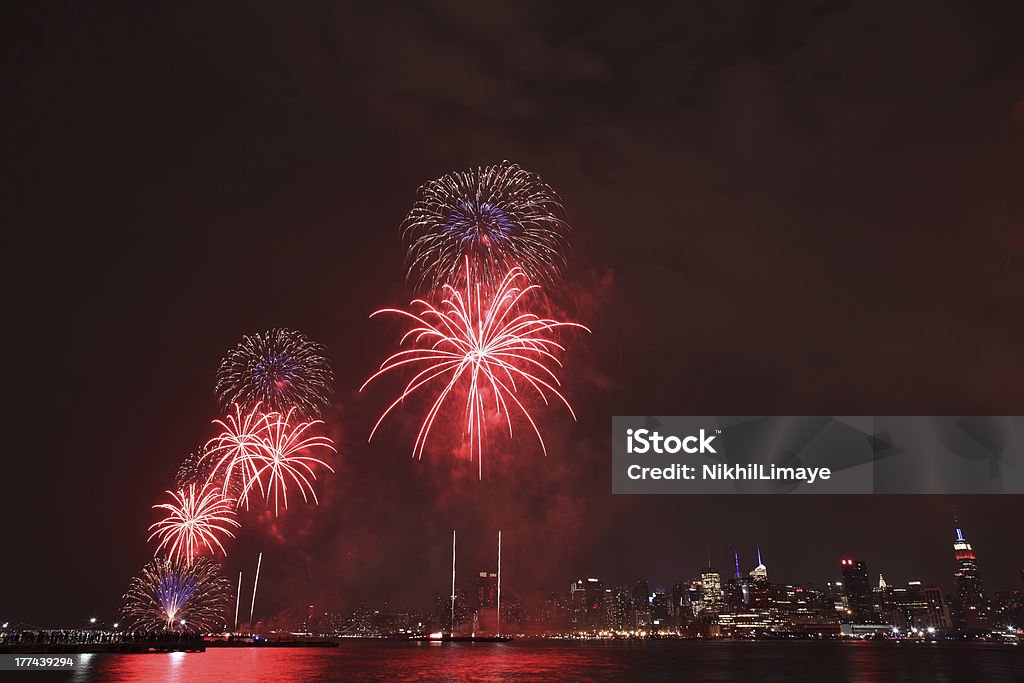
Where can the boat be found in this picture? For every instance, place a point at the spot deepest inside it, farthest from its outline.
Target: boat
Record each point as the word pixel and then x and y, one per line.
pixel 449 638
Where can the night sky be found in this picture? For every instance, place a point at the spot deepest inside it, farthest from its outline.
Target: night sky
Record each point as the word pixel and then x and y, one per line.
pixel 800 208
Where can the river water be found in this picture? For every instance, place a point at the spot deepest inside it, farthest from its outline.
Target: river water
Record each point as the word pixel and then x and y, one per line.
pixel 550 660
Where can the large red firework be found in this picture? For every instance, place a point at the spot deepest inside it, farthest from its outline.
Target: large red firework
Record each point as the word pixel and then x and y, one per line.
pixel 195 519
pixel 487 344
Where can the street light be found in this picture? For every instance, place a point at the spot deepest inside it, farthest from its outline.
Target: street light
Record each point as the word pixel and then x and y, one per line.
pixel 93 620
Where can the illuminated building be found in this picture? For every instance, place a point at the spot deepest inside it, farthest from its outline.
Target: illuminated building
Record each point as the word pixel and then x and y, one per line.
pixel 857 589
pixel 487 589
pixel 938 616
pixel 585 597
pixel 760 572
pixel 660 606
pixel 711 589
pixel 966 577
pixel 969 593
pixel 641 605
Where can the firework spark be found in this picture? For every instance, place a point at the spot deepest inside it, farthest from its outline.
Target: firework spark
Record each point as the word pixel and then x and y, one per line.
pixel 284 456
pixel 195 520
pixel 488 345
pixel 234 454
pixel 264 451
pixel 200 467
pixel 168 595
pixel 196 468
pixel 282 369
pixel 498 217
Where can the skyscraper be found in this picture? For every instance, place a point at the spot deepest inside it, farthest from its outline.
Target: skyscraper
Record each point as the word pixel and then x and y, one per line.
pixel 760 572
pixel 711 585
pixel 857 589
pixel 586 597
pixel 487 590
pixel 969 594
pixel 938 611
pixel 966 578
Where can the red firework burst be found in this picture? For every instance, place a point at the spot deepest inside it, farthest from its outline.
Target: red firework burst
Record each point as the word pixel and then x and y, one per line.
pixel 195 519
pixel 237 449
pixel 487 344
pixel 283 456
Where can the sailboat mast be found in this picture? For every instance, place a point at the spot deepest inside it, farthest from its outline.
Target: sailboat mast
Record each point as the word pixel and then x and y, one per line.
pixel 252 607
pixel 453 582
pixel 499 582
pixel 238 600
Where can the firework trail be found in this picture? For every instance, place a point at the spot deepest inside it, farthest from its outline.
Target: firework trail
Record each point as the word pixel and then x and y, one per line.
pixel 487 345
pixel 171 596
pixel 195 519
pixel 498 217
pixel 284 456
pixel 282 369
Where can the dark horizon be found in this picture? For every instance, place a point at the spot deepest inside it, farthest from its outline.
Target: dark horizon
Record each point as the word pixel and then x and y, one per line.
pixel 788 210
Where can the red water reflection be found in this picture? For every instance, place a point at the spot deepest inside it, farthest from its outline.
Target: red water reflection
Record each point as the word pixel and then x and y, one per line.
pixel 360 661
pixel 577 661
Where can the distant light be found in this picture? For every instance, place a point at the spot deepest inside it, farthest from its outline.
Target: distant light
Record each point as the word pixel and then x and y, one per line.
pixel 115 624
pixel 93 620
pixel 931 629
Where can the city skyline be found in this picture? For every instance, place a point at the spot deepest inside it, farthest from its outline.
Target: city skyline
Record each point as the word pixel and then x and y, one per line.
pixel 467 581
pixel 710 603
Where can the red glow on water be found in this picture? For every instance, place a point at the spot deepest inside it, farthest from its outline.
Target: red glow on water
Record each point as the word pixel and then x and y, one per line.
pixel 545 660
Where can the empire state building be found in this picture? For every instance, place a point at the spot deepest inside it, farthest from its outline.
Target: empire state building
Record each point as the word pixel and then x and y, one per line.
pixel 970 594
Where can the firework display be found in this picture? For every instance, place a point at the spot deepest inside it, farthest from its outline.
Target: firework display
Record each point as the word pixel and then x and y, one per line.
pixel 479 348
pixel 196 468
pixel 264 451
pixel 479 246
pixel 235 452
pixel 168 595
pixel 200 467
pixel 273 382
pixel 497 217
pixel 283 456
pixel 282 369
pixel 195 520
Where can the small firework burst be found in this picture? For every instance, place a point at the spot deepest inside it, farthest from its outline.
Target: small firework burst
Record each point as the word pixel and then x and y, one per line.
pixel 263 451
pixel 235 452
pixel 196 468
pixel 168 595
pixel 497 217
pixel 285 456
pixel 196 518
pixel 282 369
